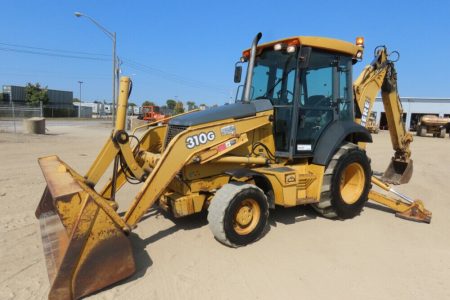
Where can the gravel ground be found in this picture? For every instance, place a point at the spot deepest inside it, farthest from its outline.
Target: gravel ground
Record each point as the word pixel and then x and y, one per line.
pixel 373 256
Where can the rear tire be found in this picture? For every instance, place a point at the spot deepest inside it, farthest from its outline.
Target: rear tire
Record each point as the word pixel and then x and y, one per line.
pixel 346 183
pixel 238 214
pixel 422 131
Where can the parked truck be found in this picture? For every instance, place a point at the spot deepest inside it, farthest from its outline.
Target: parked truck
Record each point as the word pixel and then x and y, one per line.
pixel 433 124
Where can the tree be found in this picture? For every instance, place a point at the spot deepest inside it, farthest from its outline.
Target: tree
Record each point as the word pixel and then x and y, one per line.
pixel 191 105
pixel 35 94
pixel 132 104
pixel 75 100
pixel 171 103
pixel 148 103
pixel 179 108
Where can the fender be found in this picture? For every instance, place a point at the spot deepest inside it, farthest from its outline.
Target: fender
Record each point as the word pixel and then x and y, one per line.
pixel 334 135
pixel 260 181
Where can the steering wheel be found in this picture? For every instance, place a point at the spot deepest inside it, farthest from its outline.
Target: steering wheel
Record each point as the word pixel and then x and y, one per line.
pixel 288 92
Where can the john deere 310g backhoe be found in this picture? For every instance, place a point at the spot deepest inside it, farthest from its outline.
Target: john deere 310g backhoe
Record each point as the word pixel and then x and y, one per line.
pixel 296 137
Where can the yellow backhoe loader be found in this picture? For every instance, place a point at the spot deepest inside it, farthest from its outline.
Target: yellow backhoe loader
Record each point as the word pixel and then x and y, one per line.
pixel 296 137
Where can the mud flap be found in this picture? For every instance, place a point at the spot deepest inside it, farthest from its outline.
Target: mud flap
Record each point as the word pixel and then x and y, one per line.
pixel 85 250
pixel 398 172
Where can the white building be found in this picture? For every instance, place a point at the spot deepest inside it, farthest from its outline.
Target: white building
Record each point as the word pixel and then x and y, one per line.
pixel 413 109
pixel 97 108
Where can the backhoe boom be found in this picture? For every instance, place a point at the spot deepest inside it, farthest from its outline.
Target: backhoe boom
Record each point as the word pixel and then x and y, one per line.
pixel 381 75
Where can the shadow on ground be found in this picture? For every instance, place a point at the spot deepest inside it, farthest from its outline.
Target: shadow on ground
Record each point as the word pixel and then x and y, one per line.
pixel 291 215
pixel 186 223
pixel 378 207
pixel 142 259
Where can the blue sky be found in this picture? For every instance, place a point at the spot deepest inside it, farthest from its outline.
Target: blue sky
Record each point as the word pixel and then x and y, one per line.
pixel 189 47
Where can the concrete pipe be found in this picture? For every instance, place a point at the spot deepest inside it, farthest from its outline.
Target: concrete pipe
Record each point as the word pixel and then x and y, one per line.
pixel 34 125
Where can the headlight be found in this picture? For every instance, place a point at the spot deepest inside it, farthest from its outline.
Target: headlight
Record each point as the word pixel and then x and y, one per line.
pixel 278 47
pixel 291 49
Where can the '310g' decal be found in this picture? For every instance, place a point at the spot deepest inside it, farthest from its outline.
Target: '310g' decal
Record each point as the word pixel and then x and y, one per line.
pixel 199 139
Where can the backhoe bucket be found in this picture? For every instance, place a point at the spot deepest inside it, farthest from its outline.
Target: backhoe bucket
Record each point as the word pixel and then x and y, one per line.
pixel 398 172
pixel 85 250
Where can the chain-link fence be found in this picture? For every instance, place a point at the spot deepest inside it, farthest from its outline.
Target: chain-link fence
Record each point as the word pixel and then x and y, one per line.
pixel 66 111
pixel 11 116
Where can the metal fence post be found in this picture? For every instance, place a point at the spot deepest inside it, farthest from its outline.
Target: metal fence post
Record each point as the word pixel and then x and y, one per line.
pixel 40 105
pixel 14 117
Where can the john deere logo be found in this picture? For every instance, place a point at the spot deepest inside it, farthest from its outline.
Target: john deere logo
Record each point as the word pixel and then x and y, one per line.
pixel 290 178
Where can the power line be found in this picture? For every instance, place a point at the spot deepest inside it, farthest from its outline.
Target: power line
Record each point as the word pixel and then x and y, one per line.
pixel 174 77
pixel 51 75
pixel 54 50
pixel 52 54
pixel 94 57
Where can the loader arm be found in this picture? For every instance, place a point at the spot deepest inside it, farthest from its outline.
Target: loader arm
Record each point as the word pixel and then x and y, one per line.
pixel 177 154
pixel 381 75
pixel 85 238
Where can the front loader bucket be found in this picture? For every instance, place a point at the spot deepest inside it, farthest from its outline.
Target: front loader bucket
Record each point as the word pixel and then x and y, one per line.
pixel 85 250
pixel 398 172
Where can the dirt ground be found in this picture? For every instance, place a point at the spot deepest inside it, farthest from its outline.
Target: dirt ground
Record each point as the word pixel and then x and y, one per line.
pixel 373 256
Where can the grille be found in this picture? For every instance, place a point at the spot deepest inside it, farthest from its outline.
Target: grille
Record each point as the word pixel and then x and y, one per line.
pixel 172 131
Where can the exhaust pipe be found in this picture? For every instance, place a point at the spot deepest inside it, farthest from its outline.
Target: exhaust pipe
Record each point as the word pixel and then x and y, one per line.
pixel 251 65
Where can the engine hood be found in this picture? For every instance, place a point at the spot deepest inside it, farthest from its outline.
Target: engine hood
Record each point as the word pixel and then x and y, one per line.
pixel 232 111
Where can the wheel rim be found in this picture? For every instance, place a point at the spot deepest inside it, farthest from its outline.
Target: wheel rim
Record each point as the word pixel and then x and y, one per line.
pixel 246 217
pixel 352 183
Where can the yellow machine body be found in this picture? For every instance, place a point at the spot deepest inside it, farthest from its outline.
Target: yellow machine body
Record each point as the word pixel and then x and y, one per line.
pixel 84 237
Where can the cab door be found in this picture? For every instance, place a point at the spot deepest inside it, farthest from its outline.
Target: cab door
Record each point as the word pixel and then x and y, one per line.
pixel 318 102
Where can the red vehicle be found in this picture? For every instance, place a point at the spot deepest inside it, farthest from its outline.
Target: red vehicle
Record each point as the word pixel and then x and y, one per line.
pixel 151 113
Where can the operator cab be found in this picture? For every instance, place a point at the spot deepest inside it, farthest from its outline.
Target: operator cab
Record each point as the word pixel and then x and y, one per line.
pixel 309 87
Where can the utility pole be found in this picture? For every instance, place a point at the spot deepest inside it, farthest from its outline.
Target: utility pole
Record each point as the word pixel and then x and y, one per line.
pixel 112 36
pixel 113 110
pixel 79 105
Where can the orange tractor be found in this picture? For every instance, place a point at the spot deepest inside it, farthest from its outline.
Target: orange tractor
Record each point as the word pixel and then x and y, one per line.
pixel 151 113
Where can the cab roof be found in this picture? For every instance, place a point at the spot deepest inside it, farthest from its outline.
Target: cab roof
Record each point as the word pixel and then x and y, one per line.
pixel 328 44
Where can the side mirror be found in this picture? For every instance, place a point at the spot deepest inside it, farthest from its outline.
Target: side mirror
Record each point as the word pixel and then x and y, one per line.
pixel 237 73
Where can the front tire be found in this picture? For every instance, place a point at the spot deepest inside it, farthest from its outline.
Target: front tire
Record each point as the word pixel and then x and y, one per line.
pixel 238 214
pixel 346 183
